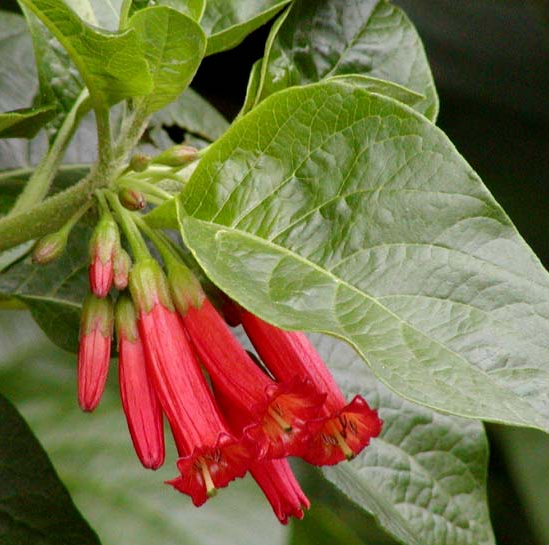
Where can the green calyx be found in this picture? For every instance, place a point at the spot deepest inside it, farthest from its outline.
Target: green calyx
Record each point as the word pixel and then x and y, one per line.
pixel 126 319
pixel 149 286
pixel 185 287
pixel 176 156
pixel 49 248
pixel 105 240
pixel 97 314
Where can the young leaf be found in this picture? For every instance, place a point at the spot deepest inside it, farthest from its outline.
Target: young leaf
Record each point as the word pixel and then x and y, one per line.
pixel 126 504
pixel 424 478
pixel 174 45
pixel 317 40
pixel 228 22
pixel 54 292
pixel 252 88
pixel 25 123
pixel 331 209
pixel 111 64
pixel 35 506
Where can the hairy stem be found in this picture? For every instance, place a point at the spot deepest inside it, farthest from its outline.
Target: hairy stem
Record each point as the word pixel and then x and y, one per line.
pixel 54 212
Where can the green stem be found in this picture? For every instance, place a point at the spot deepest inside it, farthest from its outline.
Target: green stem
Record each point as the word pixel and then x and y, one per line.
pixel 76 217
pixel 135 183
pixel 104 139
pixel 51 214
pixel 164 248
pixel 124 12
pixel 126 221
pixel 40 182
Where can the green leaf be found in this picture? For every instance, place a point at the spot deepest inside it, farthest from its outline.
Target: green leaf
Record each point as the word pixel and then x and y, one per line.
pixel 335 210
pixel 317 40
pixel 18 84
pixel 252 88
pixel 174 45
pixel 54 292
pixel 35 506
pixel 228 22
pixel 424 478
pixel 126 504
pixel 111 64
pixel 59 81
pixel 25 123
pixel 193 114
pixel 100 13
pixel 379 86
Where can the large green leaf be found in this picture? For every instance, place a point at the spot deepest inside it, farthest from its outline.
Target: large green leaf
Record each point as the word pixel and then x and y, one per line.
pixel 330 209
pixel 174 45
pixel 228 22
pixel 111 64
pixel 424 478
pixel 25 123
pixel 35 507
pixel 340 37
pixel 54 292
pixel 126 504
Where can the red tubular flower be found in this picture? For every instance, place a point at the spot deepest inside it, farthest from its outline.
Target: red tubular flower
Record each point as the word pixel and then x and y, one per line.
pixel 139 400
pixel 343 430
pixel 210 456
pixel 94 350
pixel 276 479
pixel 104 244
pixel 275 414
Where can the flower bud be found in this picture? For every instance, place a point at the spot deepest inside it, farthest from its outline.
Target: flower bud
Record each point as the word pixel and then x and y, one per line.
pixel 121 265
pixel 176 156
pixel 148 286
pixel 139 162
pixel 139 400
pixel 132 199
pixel 104 244
pixel 49 248
pixel 185 288
pixel 94 350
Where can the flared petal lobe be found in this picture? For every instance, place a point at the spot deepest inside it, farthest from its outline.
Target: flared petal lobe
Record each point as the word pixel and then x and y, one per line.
pixel 139 400
pixel 276 413
pixel 342 430
pixel 94 350
pixel 276 479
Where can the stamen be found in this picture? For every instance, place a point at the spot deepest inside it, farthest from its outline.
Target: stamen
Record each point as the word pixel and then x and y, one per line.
pixel 211 490
pixel 347 452
pixel 279 420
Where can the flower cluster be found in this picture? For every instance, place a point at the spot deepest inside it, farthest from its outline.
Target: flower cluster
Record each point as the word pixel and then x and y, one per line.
pixel 228 411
